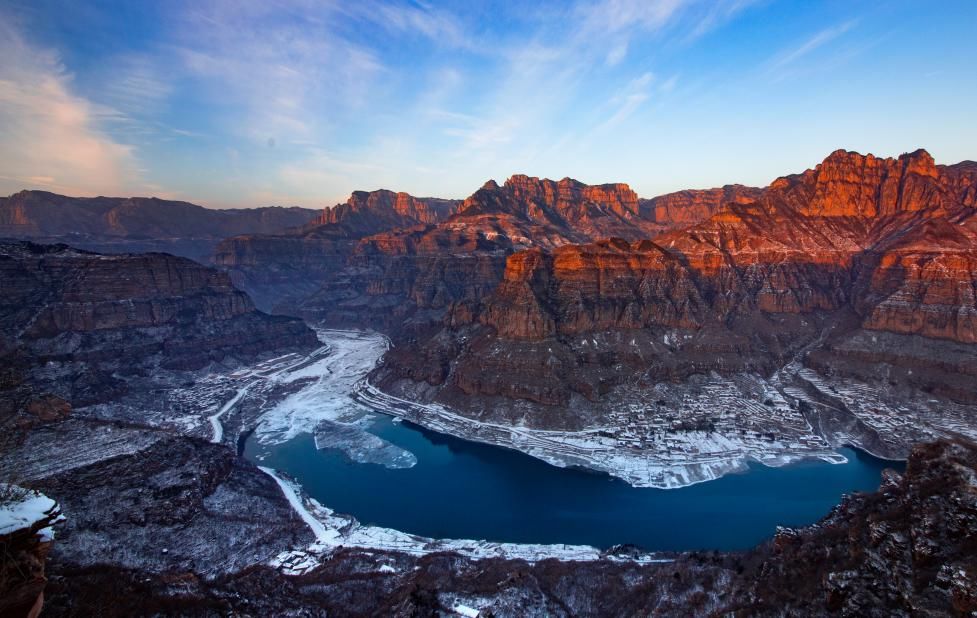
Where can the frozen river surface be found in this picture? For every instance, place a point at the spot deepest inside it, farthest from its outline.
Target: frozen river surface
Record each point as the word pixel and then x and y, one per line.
pixel 398 475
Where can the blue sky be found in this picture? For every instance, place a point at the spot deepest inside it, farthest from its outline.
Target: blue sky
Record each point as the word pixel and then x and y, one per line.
pixel 258 102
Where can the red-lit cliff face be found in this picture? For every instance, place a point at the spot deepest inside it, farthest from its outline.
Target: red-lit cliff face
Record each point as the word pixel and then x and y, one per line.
pixel 798 248
pixel 866 244
pixel 685 208
pixel 524 212
pixel 375 211
pixel 551 202
pixel 382 255
pixel 391 274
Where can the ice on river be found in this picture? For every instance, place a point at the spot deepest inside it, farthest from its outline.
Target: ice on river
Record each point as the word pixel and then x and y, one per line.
pixel 325 408
pixel 360 446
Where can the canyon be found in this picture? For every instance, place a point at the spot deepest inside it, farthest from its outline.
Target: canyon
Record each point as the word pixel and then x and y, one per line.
pixel 839 302
pixel 666 341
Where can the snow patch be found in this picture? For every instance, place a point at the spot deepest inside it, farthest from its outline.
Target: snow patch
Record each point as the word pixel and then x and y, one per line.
pixel 26 510
pixel 217 435
pixel 464 610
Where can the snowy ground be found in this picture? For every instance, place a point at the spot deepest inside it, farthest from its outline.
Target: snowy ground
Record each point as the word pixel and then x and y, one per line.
pixel 26 509
pixel 894 422
pixel 645 453
pixel 326 408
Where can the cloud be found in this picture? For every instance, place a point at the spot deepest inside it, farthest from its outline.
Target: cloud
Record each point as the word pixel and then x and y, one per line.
pixel 438 26
pixel 613 16
pixel 626 102
pixel 827 35
pixel 696 16
pixel 133 84
pixel 360 93
pixel 282 69
pixel 717 14
pixel 617 54
pixel 313 180
pixel 52 137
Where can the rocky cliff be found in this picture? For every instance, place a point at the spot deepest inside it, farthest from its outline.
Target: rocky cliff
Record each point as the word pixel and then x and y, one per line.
pixel 685 208
pixel 137 223
pixel 381 251
pixel 906 550
pixel 857 244
pixel 280 270
pixel 370 212
pixel 26 518
pixel 79 320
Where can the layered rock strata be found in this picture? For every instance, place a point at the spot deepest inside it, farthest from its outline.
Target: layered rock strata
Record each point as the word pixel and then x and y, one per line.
pixel 858 244
pixel 76 321
pixel 383 251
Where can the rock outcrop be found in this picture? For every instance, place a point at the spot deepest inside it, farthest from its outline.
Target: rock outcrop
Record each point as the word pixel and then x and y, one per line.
pixel 685 208
pixel 906 550
pixel 116 224
pixel 26 520
pixel 370 212
pixel 281 270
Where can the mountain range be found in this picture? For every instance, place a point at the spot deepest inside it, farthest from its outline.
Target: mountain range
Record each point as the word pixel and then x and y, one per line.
pixel 666 341
pixel 117 225
pixel 864 264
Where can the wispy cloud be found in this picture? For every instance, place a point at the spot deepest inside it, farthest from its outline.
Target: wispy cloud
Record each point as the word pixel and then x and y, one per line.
pixel 552 74
pixel 615 21
pixel 613 16
pixel 283 72
pixel 423 20
pixel 626 102
pixel 716 14
pixel 51 137
pixel 787 57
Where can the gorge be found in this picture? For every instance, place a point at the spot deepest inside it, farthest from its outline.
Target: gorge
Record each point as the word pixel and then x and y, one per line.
pixel 665 344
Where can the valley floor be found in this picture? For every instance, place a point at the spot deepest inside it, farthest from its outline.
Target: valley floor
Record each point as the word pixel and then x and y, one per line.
pixel 668 436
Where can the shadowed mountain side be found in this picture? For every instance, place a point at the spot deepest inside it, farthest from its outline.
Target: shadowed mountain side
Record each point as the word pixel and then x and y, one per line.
pixel 136 224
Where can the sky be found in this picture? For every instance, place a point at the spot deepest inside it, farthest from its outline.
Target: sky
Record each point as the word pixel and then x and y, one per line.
pixel 233 103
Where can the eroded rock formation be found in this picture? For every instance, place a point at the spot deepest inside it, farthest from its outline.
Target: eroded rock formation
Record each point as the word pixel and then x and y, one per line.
pixel 83 317
pixel 384 251
pixel 856 244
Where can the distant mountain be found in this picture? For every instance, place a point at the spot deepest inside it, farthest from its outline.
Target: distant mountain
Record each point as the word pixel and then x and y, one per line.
pixel 137 223
pixel 424 253
pixel 371 212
